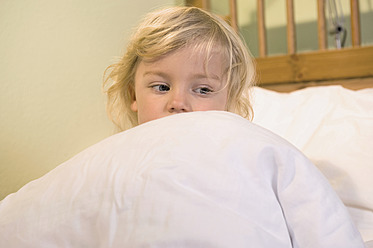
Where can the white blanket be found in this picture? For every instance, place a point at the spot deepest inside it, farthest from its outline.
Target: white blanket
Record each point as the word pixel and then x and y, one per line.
pixel 202 179
pixel 333 127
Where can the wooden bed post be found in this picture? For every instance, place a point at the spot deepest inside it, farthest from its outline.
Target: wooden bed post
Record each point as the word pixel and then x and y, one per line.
pixel 261 29
pixel 290 27
pixel 321 24
pixel 355 23
pixel 233 14
pixel 203 4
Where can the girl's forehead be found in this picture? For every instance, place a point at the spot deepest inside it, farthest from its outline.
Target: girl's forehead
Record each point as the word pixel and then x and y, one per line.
pixel 206 49
pixel 202 52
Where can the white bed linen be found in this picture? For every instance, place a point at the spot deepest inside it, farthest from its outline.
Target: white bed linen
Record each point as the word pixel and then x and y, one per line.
pixel 333 127
pixel 202 179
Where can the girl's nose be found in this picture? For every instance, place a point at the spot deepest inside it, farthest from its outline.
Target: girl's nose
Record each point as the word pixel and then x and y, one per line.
pixel 178 103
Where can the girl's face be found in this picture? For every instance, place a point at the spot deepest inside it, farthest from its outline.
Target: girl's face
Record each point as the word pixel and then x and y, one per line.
pixel 179 83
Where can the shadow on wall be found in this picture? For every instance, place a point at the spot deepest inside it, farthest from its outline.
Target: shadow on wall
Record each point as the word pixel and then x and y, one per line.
pixel 306 36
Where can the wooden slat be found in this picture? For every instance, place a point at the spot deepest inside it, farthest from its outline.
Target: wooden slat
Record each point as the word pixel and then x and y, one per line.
pixel 261 29
pixel 206 4
pixel 195 3
pixel 321 65
pixel 321 24
pixel 233 14
pixel 355 22
pixel 291 43
pixel 203 4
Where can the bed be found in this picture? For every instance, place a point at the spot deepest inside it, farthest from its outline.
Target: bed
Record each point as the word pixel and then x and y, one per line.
pixel 351 67
pixel 157 175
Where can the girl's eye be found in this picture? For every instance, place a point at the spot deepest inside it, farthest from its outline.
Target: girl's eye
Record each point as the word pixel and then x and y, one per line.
pixel 161 87
pixel 203 90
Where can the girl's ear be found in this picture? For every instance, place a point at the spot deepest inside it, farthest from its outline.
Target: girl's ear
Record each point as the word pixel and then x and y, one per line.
pixel 133 96
pixel 134 106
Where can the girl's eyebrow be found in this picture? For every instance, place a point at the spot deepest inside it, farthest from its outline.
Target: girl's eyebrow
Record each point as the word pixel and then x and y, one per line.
pixel 204 76
pixel 194 76
pixel 156 73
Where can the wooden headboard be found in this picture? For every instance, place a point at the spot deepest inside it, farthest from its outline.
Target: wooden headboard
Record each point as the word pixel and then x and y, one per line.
pixel 351 67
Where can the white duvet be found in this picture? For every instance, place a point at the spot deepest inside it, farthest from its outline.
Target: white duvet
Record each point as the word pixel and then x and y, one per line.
pixel 202 179
pixel 333 127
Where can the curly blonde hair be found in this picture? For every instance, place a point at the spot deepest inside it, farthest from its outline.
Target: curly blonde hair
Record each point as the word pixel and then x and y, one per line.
pixel 165 31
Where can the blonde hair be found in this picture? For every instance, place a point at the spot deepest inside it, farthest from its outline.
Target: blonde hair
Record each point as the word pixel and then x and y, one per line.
pixel 168 30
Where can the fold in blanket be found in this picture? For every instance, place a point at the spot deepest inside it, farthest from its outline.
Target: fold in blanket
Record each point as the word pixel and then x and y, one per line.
pixel 202 179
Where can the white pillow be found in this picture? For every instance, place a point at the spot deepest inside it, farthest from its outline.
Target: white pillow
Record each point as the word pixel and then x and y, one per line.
pixel 202 179
pixel 333 127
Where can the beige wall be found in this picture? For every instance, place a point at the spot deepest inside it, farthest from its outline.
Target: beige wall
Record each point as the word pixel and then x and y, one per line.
pixel 52 57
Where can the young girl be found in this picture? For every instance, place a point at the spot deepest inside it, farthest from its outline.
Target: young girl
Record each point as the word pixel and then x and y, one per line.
pixel 180 60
